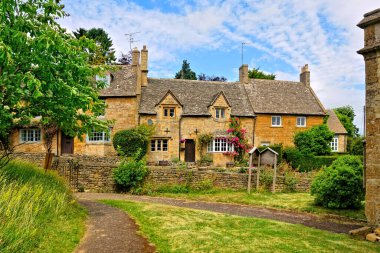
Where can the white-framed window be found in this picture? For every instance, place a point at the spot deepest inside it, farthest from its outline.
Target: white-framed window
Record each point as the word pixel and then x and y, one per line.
pixel 99 136
pixel 334 144
pixel 30 135
pixel 220 145
pixel 220 113
pixel 276 121
pixel 301 121
pixel 106 79
pixel 169 112
pixel 159 145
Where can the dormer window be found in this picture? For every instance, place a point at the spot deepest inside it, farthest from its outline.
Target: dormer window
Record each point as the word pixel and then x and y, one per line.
pixel 220 113
pixel 169 112
pixel 104 78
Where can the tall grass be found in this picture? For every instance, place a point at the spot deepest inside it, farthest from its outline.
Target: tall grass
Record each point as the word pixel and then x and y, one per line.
pixel 32 203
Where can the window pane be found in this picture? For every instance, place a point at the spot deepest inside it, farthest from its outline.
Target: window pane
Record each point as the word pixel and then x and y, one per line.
pixel 152 145
pixel 217 113
pixel 222 113
pixel 166 113
pixel 172 112
pixel 209 146
pixel 217 145
pixel 159 145
pixel 165 145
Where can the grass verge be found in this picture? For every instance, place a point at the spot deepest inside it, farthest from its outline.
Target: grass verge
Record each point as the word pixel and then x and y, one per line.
pixel 174 229
pixel 300 202
pixel 37 211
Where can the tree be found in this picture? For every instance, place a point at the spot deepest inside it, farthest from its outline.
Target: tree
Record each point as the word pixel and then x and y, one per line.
pixel 204 77
pixel 106 54
pixel 346 115
pixel 256 73
pixel 45 72
pixel 186 72
pixel 125 59
pixel 315 141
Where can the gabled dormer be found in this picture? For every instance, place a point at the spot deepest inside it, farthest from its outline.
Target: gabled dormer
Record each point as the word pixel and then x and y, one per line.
pixel 220 107
pixel 169 107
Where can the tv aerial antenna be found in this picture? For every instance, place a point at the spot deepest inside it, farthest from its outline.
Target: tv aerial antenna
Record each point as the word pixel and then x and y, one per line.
pixel 131 39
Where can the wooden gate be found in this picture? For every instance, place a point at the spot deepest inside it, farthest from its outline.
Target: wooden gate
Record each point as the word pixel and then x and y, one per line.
pixel 69 171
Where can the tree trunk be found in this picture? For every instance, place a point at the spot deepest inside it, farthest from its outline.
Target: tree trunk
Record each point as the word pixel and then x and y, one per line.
pixel 48 160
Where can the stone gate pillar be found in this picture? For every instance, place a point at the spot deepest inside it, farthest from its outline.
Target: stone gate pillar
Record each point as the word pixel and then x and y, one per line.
pixel 371 53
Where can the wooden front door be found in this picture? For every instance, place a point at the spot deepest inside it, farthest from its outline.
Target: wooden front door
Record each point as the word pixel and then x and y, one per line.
pixel 67 144
pixel 190 151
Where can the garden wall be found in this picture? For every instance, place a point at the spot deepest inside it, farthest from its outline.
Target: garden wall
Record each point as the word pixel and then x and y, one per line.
pixel 91 173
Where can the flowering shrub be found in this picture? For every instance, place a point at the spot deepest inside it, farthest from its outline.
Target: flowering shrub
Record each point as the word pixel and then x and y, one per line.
pixel 237 138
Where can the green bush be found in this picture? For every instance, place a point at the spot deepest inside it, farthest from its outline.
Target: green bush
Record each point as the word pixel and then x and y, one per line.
pixel 314 141
pixel 290 182
pixel 130 174
pixel 266 178
pixel 340 186
pixel 206 159
pixel 305 162
pixel 128 142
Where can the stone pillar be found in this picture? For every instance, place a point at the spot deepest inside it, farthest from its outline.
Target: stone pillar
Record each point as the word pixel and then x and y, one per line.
pixel 371 53
pixel 305 75
pixel 243 73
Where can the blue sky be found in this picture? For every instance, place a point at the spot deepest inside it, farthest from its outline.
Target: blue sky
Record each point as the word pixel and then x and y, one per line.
pixel 281 37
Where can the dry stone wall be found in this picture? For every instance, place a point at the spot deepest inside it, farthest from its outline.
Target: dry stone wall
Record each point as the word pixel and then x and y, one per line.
pixel 94 174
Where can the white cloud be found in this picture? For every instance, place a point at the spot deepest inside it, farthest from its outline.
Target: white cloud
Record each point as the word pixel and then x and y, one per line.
pixel 322 33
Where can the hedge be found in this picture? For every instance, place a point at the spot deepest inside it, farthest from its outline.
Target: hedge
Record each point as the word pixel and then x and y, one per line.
pixel 308 162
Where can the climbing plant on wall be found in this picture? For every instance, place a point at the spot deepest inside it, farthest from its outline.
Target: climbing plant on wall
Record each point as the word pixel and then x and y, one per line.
pixel 238 139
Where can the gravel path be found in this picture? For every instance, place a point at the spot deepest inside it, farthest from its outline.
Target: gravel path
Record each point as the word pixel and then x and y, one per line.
pixel 110 230
pixel 310 220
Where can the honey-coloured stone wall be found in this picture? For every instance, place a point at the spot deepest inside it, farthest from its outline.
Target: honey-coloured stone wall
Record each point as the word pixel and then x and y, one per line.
pixel 266 133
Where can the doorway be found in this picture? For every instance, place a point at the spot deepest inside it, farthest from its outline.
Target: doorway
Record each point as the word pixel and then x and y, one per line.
pixel 189 151
pixel 67 144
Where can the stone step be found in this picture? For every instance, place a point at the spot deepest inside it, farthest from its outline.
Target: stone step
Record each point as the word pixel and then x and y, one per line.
pixel 361 232
pixel 377 231
pixel 373 237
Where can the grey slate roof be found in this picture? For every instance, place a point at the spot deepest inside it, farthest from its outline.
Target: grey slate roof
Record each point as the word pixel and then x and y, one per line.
pixel 283 97
pixel 123 83
pixel 334 123
pixel 195 96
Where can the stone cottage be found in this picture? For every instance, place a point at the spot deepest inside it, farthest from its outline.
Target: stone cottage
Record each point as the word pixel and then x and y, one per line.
pixel 271 111
pixel 339 143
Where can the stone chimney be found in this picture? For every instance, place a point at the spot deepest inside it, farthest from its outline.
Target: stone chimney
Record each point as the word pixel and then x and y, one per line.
pixel 243 73
pixel 135 57
pixel 371 53
pixel 305 75
pixel 144 66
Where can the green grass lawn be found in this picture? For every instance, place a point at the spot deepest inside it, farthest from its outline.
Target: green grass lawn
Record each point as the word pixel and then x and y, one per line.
pixel 37 211
pixel 174 229
pixel 302 202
